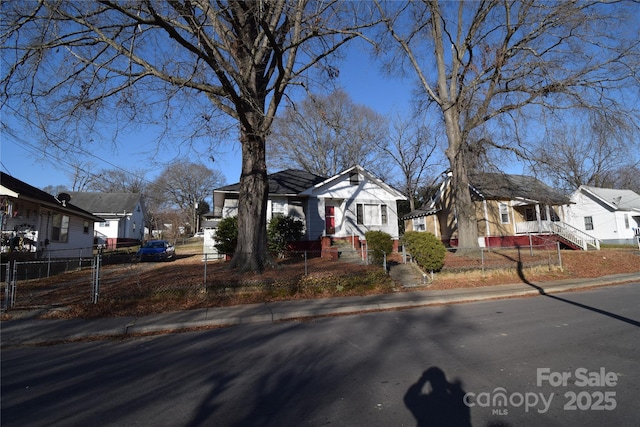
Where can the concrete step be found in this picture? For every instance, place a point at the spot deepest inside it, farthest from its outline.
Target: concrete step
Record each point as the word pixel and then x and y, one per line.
pixel 409 275
pixel 349 255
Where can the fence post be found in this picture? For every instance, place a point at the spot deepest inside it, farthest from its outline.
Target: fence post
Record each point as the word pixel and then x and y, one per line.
pixel 530 245
pixel 482 260
pixel 48 264
pixel 384 261
pixel 205 271
pixel 14 285
pixel 96 279
pixel 559 256
pixel 7 286
pixel 306 272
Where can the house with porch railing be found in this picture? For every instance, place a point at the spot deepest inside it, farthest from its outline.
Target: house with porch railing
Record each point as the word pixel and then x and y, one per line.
pixel 611 215
pixel 511 210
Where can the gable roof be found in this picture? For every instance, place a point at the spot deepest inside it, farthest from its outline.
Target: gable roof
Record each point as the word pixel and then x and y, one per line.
pixel 364 172
pixel 286 182
pixel 106 203
pixel 622 200
pixel 13 187
pixel 498 186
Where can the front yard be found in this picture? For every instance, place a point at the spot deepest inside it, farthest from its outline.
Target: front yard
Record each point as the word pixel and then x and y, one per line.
pixel 141 288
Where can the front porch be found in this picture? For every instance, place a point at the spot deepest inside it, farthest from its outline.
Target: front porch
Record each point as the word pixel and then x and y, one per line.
pixel 560 229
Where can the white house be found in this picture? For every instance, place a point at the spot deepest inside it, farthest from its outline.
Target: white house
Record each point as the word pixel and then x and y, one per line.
pixel 124 216
pixel 352 203
pixel 37 224
pixel 612 216
pixel 344 206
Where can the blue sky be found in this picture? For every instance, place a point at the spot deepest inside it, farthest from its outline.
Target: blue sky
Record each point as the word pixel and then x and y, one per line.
pixel 22 157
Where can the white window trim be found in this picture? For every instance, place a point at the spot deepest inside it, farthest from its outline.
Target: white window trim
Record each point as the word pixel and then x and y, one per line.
pixel 506 212
pixel 374 216
pixel 420 223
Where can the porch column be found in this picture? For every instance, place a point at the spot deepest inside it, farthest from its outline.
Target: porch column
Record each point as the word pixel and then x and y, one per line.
pixel 538 218
pixel 487 231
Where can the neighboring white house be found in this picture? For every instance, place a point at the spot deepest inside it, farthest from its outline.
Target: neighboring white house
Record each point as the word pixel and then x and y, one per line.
pixel 346 205
pixel 612 216
pixel 124 216
pixel 37 224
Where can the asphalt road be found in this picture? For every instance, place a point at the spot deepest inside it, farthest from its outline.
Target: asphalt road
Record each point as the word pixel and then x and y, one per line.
pixel 563 360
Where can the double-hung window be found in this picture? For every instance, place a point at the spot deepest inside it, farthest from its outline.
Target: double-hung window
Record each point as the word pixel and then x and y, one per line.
pixel 588 223
pixel 278 207
pixel 504 213
pixel 371 214
pixel 60 228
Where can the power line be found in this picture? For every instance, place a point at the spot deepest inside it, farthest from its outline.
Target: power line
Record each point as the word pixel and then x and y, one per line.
pixel 5 168
pixel 12 137
pixel 29 146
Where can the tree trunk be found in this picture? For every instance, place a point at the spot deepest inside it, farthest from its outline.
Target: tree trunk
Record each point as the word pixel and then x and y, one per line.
pixel 251 252
pixel 460 195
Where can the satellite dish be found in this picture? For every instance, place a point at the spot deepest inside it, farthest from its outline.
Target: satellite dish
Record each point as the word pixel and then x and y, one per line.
pixel 63 198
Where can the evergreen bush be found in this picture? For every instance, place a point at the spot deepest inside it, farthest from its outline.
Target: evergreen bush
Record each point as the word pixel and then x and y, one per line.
pixel 282 230
pixel 426 249
pixel 227 235
pixel 379 243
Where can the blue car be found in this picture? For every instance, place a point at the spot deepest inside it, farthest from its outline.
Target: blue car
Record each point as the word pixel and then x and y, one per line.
pixel 156 250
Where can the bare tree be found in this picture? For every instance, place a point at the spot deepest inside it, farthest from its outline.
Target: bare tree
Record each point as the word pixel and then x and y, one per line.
pixel 80 175
pixel 410 148
pixel 628 177
pixel 182 186
pixel 325 135
pixel 118 181
pixel 71 65
pixel 54 190
pixel 583 155
pixel 497 67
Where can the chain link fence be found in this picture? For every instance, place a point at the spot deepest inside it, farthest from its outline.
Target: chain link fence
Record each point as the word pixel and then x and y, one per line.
pixel 120 279
pixel 508 258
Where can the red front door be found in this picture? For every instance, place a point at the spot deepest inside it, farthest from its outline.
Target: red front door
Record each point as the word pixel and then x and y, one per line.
pixel 330 219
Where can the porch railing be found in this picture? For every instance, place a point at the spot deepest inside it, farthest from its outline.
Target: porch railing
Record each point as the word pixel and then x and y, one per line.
pixel 562 229
pixel 529 227
pixel 575 235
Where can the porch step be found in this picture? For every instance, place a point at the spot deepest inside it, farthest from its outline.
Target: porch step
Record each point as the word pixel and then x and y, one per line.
pixel 346 252
pixel 566 242
pixel 349 255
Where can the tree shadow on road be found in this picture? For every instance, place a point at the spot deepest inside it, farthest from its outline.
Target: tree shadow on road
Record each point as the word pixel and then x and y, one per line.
pixel 541 291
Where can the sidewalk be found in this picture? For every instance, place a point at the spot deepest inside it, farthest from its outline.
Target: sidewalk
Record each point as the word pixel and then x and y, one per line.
pixel 40 331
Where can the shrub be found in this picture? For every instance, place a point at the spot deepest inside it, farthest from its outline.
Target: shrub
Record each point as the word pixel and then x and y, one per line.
pixel 380 243
pixel 282 230
pixel 227 235
pixel 427 250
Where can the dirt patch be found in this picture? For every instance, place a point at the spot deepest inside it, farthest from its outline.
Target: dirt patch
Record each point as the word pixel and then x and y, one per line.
pixel 572 264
